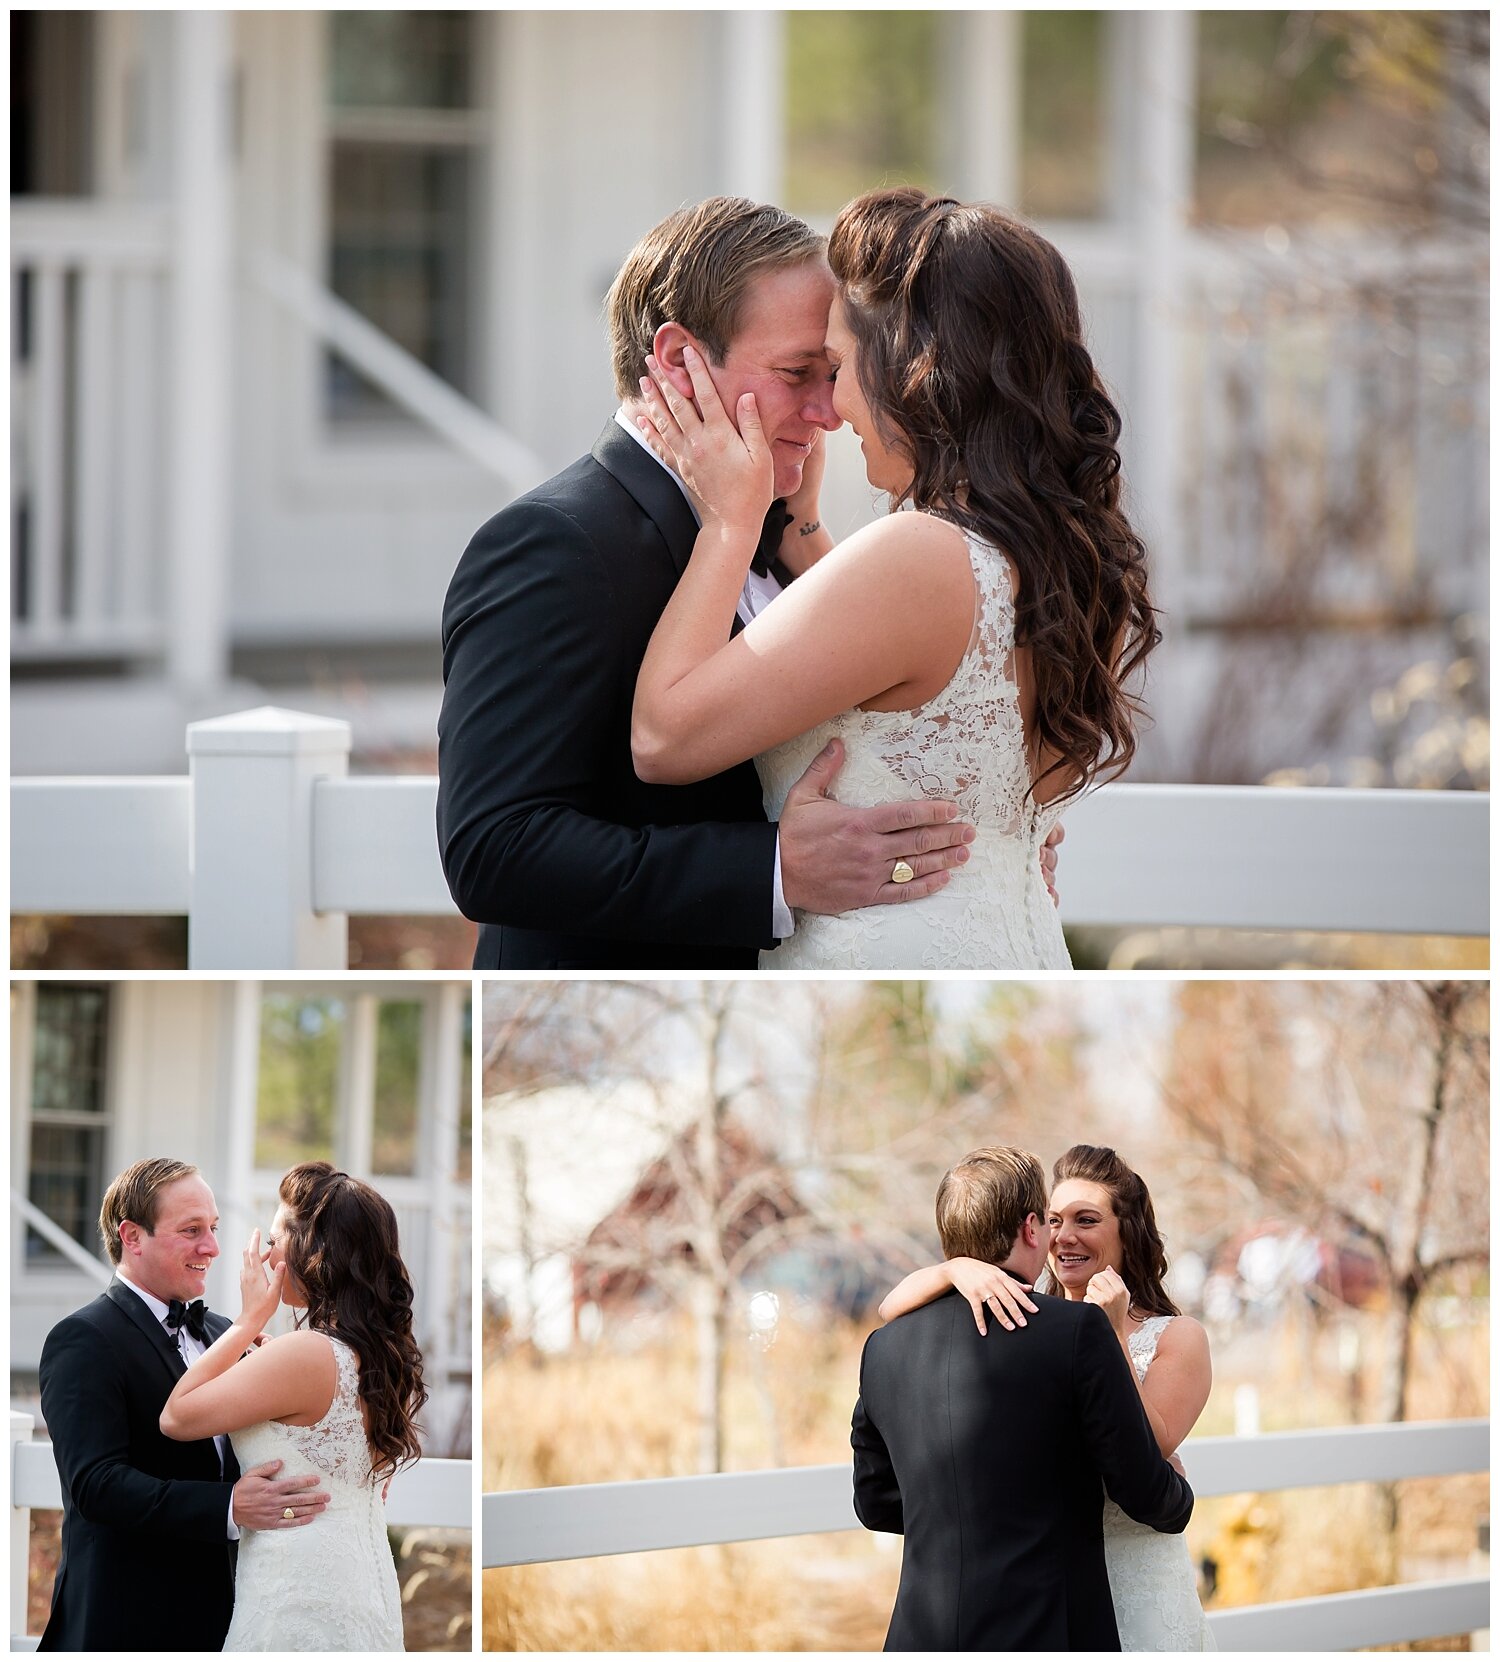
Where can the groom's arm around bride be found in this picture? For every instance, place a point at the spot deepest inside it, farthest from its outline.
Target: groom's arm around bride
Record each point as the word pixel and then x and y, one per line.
pixel 147 1559
pixel 138 1507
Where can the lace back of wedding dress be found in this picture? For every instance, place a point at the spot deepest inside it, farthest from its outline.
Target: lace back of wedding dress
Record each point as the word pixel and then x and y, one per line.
pixel 967 745
pixel 329 1585
pixel 336 1445
pixel 968 742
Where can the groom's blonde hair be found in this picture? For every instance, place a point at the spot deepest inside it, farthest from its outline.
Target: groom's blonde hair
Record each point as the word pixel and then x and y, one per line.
pixel 983 1201
pixel 695 268
pixel 135 1197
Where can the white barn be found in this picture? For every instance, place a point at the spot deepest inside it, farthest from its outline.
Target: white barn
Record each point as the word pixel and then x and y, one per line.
pixel 105 1073
pixel 233 486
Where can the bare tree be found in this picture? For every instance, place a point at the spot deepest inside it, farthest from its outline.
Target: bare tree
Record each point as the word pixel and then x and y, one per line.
pixel 708 1194
pixel 1350 1107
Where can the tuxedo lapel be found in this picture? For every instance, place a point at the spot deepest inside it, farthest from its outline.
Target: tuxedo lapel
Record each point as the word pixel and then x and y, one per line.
pixel 655 491
pixel 659 497
pixel 150 1329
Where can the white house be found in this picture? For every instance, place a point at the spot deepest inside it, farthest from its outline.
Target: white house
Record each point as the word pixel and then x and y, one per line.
pixel 106 1073
pixel 303 297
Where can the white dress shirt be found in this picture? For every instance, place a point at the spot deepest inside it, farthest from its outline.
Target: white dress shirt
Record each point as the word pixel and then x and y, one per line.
pixel 757 594
pixel 191 1349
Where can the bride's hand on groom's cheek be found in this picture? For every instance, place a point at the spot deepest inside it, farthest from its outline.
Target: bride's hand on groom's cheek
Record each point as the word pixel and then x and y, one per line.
pixel 720 455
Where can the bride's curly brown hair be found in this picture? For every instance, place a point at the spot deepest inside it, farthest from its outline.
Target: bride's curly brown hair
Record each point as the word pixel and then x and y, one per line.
pixel 972 360
pixel 341 1247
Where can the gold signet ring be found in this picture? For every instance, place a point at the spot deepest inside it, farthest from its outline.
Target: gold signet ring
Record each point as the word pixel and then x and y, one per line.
pixel 901 872
pixel 289 1512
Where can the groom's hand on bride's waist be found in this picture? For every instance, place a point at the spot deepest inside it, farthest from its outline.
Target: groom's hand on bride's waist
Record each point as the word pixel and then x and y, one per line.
pixel 837 859
pixel 262 1500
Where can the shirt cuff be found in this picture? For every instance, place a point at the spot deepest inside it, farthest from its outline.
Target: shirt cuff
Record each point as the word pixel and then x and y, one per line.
pixel 782 922
pixel 234 1528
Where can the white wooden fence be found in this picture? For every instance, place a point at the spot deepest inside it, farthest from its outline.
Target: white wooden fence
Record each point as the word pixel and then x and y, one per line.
pixel 433 1493
pixel 533 1526
pixel 267 845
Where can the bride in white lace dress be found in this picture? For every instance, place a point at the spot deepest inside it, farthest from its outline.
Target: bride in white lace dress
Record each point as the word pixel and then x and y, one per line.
pixel 334 1399
pixel 1106 1249
pixel 973 650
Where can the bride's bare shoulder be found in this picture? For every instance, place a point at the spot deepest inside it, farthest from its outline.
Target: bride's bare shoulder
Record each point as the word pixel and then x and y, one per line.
pixel 910 532
pixel 899 549
pixel 305 1350
pixel 1183 1336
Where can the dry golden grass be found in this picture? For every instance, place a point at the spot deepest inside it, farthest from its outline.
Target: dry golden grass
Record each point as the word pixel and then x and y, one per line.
pixel 814 1593
pixel 600 1416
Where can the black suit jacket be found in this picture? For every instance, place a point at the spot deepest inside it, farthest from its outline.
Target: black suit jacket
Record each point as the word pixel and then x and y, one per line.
pixel 146 1563
pixel 548 839
pixel 991 1454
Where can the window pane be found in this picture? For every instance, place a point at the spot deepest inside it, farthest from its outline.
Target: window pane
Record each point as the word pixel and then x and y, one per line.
pixel 1062 115
pixel 66 1182
pixel 862 105
pixel 398 1066
pixel 401 60
pixel 66 1165
pixel 68 1058
pixel 300 1042
pixel 399 254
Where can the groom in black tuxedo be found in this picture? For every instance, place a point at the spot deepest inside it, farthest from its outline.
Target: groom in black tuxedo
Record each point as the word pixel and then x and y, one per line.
pixel 149 1524
pixel 992 1452
pixel 549 840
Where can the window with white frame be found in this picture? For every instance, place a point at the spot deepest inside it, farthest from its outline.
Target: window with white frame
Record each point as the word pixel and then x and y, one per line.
pixel 405 126
pixel 863 105
pixel 1062 115
pixel 328 1062
pixel 302 1062
pixel 869 98
pixel 70 1121
pixel 398 1077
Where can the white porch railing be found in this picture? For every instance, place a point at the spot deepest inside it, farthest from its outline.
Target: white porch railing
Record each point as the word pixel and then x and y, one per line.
pixel 534 1526
pixel 268 846
pixel 433 1493
pixel 88 397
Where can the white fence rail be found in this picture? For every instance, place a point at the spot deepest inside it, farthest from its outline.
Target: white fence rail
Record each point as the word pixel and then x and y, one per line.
pixel 433 1493
pixel 268 847
pixel 533 1526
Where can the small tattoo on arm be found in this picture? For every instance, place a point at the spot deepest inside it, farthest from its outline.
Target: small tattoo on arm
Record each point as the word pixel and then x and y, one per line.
pixel 811 526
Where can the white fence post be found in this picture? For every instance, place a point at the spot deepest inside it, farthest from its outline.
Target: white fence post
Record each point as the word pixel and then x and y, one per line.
pixel 20 1530
pixel 251 846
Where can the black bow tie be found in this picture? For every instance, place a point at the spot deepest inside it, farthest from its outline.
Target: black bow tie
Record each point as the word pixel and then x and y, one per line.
pixel 192 1316
pixel 766 554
